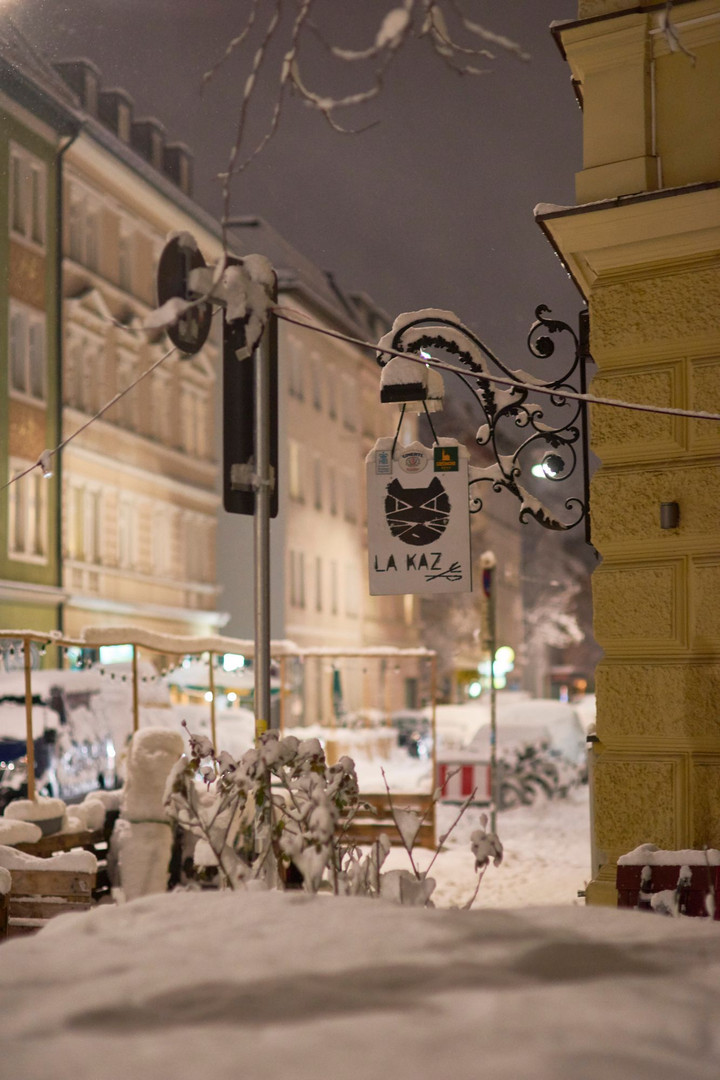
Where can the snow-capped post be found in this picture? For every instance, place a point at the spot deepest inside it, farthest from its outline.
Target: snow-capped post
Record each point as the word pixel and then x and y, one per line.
pixel 135 689
pixel 246 289
pixel 27 658
pixel 488 564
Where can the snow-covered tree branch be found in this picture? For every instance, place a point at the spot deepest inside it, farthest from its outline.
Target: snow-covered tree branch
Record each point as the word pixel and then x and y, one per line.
pixel 278 43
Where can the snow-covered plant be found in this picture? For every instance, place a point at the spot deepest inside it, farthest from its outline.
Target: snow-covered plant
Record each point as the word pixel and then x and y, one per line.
pixel 280 803
pixel 415 887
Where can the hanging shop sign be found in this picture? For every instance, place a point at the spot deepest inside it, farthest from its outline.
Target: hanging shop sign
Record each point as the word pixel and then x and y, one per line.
pixel 418 518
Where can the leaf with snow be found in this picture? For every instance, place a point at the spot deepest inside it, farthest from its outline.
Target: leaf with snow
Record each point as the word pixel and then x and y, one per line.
pixel 408 823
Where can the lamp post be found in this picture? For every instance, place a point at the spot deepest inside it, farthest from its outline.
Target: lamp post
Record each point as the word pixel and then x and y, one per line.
pixel 488 564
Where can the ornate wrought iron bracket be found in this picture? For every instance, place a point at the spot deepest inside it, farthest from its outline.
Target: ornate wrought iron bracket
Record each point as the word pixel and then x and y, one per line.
pixel 553 447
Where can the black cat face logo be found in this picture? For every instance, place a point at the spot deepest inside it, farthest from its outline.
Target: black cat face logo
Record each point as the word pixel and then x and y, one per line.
pixel 417 515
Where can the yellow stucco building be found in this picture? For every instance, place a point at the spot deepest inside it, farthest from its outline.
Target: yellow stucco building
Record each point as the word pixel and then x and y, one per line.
pixel 643 245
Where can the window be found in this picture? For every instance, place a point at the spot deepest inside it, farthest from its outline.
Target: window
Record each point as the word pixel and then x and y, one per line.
pixel 198 545
pixel 296 384
pixel 317 386
pixel 297 579
pixel 317 483
pixel 126 247
pixel 28 195
pixel 332 490
pixel 295 472
pixel 193 421
pixel 27 513
pixel 318 584
pixel 161 543
pixel 161 426
pixel 84 228
pixel 27 351
pixel 334 587
pixel 127 538
pixel 331 396
pixel 126 406
pixel 352 597
pixel 85 524
pixel 350 498
pixel 349 405
pixel 84 375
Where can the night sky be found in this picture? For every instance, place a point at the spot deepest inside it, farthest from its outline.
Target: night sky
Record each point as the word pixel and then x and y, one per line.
pixel 430 207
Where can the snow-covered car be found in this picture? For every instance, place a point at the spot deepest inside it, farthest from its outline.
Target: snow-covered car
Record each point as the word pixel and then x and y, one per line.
pixel 73 753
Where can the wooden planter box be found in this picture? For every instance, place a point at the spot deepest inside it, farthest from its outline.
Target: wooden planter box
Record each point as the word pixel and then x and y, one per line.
pixel 703 879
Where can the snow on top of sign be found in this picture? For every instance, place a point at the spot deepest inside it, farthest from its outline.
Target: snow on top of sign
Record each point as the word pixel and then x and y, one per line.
pixel 5 881
pixel 184 239
pixel 650 855
pixel 249 289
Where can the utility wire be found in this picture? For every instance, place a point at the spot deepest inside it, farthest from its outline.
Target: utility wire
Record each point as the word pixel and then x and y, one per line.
pixel 43 462
pixel 571 395
pixel 286 314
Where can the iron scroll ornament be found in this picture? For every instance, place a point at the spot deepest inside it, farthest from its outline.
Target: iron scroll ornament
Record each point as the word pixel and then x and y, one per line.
pixel 507 407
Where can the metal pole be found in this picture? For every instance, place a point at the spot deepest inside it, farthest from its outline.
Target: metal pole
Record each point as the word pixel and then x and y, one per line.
pixel 28 721
pixel 283 703
pixel 493 702
pixel 135 695
pixel 433 707
pixel 261 522
pixel 211 675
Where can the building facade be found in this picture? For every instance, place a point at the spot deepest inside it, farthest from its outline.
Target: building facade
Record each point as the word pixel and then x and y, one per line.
pixel 643 246
pixel 36 121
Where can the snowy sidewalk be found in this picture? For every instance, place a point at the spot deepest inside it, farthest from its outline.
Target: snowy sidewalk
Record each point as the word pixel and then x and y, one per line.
pixel 546 861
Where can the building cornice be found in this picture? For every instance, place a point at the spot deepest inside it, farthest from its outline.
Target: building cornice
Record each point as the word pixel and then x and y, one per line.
pixel 623 235
pixel 30 593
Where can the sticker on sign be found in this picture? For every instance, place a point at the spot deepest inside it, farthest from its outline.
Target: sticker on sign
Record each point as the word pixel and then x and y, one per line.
pixel 418 519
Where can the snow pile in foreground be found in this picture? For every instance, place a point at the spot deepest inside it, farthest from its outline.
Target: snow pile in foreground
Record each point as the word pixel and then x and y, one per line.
pixel 275 986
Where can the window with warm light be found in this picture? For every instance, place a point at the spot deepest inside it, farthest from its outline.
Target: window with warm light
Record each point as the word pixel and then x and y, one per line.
pixel 27 514
pixel 28 196
pixel 27 351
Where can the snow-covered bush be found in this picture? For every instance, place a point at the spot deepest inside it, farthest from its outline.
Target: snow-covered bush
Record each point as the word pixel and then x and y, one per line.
pixel 281 806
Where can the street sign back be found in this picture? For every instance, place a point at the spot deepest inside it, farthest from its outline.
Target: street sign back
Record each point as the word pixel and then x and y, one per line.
pixel 179 256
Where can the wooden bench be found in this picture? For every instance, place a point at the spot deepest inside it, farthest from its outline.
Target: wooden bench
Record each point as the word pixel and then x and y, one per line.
pixel 366 826
pixel 42 888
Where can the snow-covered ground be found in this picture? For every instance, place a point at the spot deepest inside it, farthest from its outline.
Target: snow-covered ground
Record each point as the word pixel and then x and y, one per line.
pixel 272 986
pixel 278 986
pixel 546 859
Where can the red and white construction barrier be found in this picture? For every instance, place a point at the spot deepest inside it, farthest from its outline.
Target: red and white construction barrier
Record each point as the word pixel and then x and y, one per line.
pixel 458 779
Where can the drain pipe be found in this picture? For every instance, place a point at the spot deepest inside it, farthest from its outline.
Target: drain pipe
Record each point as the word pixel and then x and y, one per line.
pixel 59 357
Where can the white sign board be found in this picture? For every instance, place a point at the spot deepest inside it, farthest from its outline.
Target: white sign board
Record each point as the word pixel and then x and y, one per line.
pixel 418 518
